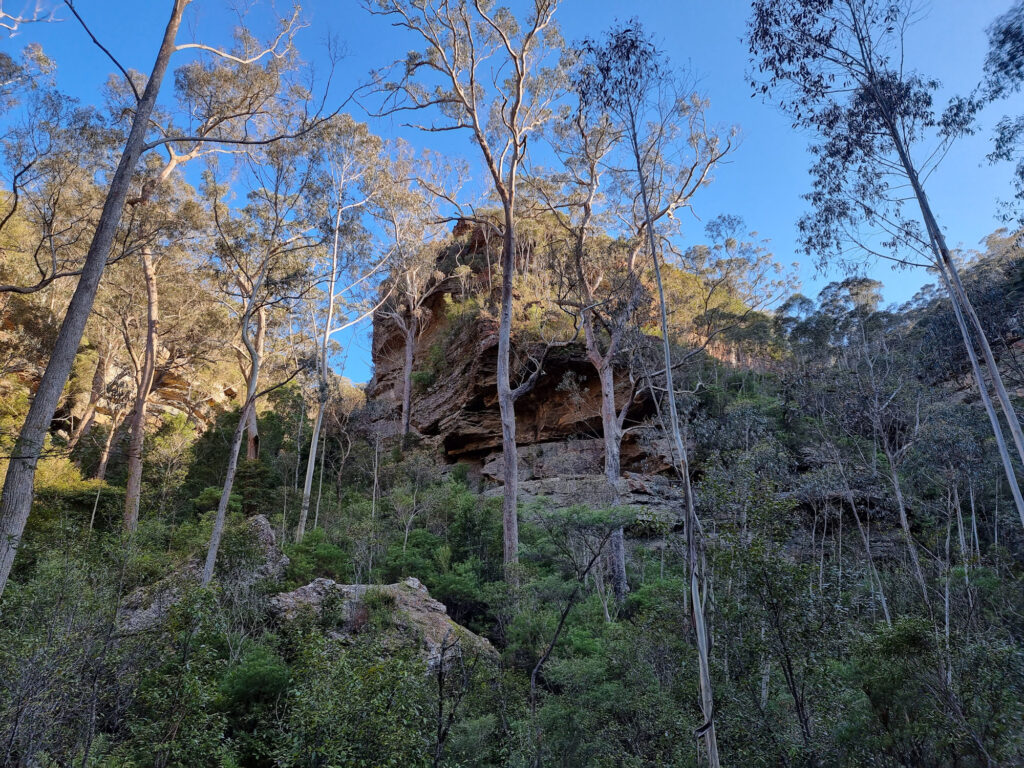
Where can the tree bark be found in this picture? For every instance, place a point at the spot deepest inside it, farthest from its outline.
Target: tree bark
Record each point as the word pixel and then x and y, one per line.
pixel 255 351
pixel 16 502
pixel 410 348
pixel 307 486
pixel 958 296
pixel 986 399
pixel 506 402
pixel 225 496
pixel 101 470
pixel 137 428
pixel 612 472
pixel 99 381
pixel 693 542
pixel 905 526
pixel 252 449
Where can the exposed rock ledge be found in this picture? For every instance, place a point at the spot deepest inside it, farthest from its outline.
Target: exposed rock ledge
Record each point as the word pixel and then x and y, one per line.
pixel 413 615
pixel 654 498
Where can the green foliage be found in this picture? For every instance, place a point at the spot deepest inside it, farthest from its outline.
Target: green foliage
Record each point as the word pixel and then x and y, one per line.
pixel 423 380
pixel 357 706
pixel 379 605
pixel 209 498
pixel 174 720
pixel 313 557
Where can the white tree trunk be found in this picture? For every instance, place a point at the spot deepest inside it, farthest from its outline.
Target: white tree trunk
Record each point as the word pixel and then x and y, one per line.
pixel 255 351
pixel 962 305
pixel 225 497
pixel 693 536
pixel 307 486
pixel 612 472
pixel 137 427
pixel 410 349
pixel 506 404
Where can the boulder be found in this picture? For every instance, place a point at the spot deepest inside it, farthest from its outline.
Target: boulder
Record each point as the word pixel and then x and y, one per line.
pixel 410 615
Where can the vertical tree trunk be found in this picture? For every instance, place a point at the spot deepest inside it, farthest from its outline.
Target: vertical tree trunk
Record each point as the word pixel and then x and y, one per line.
pixel 255 351
pixel 986 399
pixel 506 402
pixel 958 296
pixel 225 496
pixel 320 482
pixel 252 450
pixel 16 502
pixel 693 536
pixel 905 526
pixel 613 472
pixel 101 470
pixel 99 381
pixel 307 486
pixel 865 535
pixel 137 427
pixel 252 429
pixel 410 348
pixel 322 392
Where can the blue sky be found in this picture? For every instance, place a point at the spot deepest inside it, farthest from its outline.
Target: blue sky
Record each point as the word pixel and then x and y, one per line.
pixel 762 182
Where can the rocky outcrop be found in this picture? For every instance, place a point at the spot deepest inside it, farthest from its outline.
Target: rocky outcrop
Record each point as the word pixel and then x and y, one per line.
pixel 147 607
pixel 655 498
pixel 398 613
pixel 558 422
pixel 460 408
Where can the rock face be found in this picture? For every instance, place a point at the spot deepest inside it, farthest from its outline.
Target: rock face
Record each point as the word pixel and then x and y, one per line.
pixel 147 607
pixel 558 423
pixel 405 611
pixel 460 406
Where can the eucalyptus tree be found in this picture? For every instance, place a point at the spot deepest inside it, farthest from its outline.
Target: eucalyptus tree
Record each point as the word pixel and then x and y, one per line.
pixel 838 68
pixel 350 180
pixel 600 282
pixel 266 255
pixel 20 76
pixel 414 234
pixel 169 227
pixel 213 117
pixel 55 150
pixel 494 76
pixel 673 151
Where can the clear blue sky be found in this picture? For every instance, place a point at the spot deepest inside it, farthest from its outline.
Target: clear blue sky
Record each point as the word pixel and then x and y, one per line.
pixel 764 179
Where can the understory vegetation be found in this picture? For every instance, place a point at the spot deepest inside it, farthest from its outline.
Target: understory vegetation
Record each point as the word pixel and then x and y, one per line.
pixel 617 494
pixel 825 648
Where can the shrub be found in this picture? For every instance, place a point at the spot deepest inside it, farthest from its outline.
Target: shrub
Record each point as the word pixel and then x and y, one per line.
pixel 314 557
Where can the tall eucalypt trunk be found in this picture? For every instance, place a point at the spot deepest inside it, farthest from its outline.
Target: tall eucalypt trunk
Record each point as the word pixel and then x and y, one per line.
pixel 322 391
pixel 694 545
pixel 986 399
pixel 410 350
pixel 951 278
pixel 507 400
pixel 248 408
pixel 252 430
pixel 612 428
pixel 16 502
pixel 147 373
pixel 603 362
